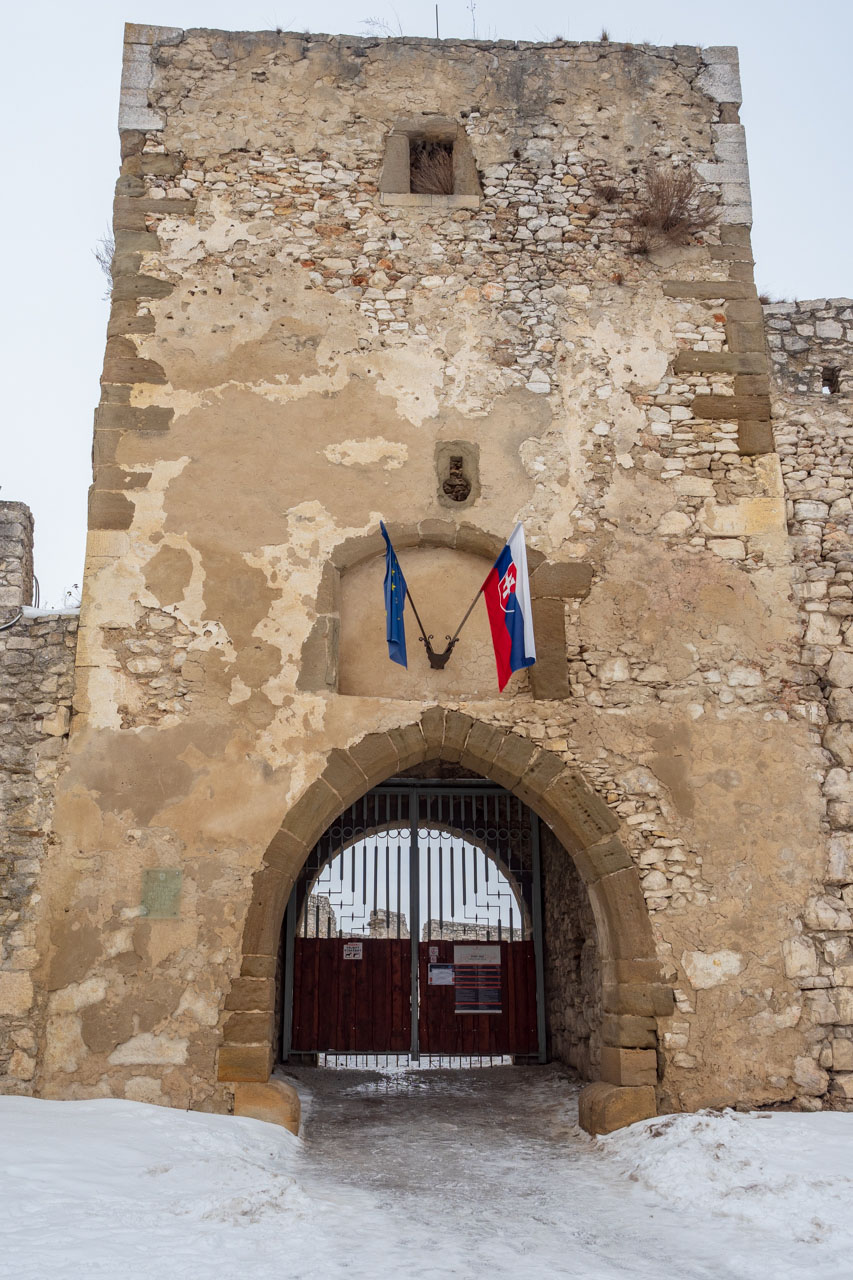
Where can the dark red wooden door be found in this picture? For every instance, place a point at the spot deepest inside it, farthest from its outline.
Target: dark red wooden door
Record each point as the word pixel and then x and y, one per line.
pixel 360 1005
pixel 441 1030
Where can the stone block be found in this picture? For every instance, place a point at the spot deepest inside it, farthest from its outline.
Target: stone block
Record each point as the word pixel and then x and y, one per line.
pixel 432 727
pixel 838 738
pixel 251 994
pixel 456 730
pixel 395 169
pixel 240 1062
pixel 628 1067
pixel 273 1101
pixel 620 909
pixel 310 816
pixel 601 859
pixel 603 1108
pixel 437 533
pixel 477 542
pixel 549 675
pixel 707 290
pixel 318 662
pixel 513 759
pixel 481 747
pixel 731 408
pixel 544 769
pixel 566 581
pixel 136 33
pixel 258 966
pixel 571 804
pixel 376 756
pixel 840 669
pixel 842 1055
pixel 109 510
pixel 128 286
pixel 16 993
pixel 755 436
pixel 720 81
pixel 840 858
pixel 642 999
pixel 720 362
pixel 629 1031
pixel 410 745
pixel 248 1028
pixel 342 773
pixel 285 853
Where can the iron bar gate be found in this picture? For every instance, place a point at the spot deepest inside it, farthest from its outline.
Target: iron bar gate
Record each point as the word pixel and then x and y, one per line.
pixel 411 888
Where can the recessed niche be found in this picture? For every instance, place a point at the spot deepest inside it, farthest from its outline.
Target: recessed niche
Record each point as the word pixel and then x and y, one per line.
pixel 457 465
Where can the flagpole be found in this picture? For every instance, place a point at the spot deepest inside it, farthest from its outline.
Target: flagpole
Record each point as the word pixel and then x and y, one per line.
pixel 467 616
pixel 417 615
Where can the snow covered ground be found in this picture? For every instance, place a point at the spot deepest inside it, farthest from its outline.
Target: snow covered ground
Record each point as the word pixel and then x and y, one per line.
pixel 421 1175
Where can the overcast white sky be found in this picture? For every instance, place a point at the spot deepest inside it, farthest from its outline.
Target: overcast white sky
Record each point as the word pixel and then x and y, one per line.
pixel 59 94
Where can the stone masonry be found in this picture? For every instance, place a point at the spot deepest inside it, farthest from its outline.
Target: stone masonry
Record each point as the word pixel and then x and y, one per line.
pixel 299 347
pixel 811 345
pixel 36 680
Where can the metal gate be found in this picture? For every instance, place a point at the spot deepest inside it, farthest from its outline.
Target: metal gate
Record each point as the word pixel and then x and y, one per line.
pixel 415 928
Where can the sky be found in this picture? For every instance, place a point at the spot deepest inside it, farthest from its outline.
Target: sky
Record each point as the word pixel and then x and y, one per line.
pixel 59 96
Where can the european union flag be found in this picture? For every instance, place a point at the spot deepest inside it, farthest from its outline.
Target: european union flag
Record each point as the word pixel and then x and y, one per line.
pixel 395 600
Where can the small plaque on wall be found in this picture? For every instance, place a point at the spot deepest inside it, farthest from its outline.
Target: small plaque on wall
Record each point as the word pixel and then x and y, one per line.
pixel 161 893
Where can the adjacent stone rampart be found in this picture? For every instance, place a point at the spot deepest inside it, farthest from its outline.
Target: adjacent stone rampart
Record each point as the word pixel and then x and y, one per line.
pixel 811 346
pixel 36 680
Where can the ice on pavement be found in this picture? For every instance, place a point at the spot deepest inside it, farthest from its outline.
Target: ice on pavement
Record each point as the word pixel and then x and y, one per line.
pixel 422 1175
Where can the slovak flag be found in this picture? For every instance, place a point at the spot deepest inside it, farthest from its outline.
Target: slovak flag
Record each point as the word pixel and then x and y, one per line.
pixel 507 592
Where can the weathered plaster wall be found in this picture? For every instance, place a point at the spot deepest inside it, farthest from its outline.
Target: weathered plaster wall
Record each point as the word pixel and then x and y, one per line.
pixel 814 437
pixel 36 678
pixel 287 348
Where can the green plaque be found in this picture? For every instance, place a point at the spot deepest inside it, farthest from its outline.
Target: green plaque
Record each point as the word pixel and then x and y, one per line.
pixel 161 893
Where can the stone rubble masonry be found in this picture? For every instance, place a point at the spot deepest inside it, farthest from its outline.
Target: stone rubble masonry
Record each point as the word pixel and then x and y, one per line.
pixel 36 680
pixel 16 559
pixel 285 349
pixel 813 428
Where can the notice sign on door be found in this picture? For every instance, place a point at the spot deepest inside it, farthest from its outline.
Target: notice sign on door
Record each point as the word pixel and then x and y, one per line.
pixel 352 951
pixel 441 975
pixel 478 979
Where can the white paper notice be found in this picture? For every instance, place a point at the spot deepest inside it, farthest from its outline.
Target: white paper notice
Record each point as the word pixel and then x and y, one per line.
pixel 476 955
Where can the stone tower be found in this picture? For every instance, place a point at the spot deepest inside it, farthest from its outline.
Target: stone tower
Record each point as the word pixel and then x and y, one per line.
pixel 304 341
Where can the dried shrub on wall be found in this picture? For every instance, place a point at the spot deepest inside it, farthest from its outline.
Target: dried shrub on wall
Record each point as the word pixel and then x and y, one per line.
pixel 432 168
pixel 671 207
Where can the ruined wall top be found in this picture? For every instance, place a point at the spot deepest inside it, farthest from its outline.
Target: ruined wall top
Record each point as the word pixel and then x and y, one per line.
pixel 810 343
pixel 16 558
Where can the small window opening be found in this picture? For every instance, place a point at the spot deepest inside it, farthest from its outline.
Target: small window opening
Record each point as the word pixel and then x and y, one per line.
pixel 830 380
pixel 431 168
pixel 457 486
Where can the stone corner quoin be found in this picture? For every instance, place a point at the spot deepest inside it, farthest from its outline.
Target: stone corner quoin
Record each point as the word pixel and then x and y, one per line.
pixel 301 343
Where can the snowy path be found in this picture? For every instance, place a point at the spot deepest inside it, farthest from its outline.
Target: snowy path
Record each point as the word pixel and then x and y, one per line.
pixel 423 1176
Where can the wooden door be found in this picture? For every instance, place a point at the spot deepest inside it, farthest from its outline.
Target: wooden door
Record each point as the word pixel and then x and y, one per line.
pixel 441 1030
pixel 352 995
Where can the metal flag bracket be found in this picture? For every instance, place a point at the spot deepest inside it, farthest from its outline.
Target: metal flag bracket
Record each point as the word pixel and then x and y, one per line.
pixel 438 661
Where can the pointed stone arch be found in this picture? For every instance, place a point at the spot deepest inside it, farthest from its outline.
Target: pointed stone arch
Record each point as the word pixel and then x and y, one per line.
pixel 633 994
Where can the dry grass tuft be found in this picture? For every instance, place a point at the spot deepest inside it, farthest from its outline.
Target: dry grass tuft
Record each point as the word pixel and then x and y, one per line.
pixel 432 168
pixel 671 207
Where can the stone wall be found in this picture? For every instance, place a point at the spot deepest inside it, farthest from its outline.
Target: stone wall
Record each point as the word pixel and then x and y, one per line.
pixel 293 352
pixel 16 558
pixel 814 438
pixel 572 970
pixel 36 681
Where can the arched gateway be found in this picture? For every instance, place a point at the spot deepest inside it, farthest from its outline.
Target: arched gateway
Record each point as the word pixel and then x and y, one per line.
pixel 632 994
